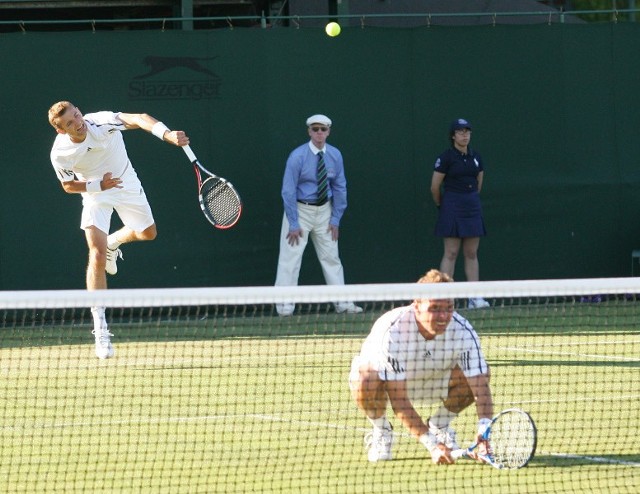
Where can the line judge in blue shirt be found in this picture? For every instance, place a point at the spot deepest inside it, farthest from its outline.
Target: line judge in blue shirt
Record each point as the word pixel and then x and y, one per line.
pixel 314 191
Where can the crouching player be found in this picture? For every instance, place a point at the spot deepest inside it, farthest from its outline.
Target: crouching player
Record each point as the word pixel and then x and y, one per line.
pixel 427 353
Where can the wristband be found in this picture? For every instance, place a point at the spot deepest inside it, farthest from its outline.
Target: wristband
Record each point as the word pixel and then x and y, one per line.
pixel 482 425
pixel 94 186
pixel 159 129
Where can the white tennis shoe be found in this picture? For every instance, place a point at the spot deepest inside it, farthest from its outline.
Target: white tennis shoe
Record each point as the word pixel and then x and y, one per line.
pixel 478 303
pixel 349 309
pixel 379 442
pixel 104 348
pixel 446 436
pixel 112 257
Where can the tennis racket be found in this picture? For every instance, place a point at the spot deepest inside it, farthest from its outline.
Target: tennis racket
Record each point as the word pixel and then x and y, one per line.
pixel 512 436
pixel 219 200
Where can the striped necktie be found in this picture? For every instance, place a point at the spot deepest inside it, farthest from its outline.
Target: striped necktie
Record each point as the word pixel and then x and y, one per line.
pixel 323 183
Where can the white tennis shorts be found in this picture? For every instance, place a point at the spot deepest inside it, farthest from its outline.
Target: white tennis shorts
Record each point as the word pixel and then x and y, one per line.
pixel 428 389
pixel 130 203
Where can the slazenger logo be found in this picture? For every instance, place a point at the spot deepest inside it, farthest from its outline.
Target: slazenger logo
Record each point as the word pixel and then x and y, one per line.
pixel 148 86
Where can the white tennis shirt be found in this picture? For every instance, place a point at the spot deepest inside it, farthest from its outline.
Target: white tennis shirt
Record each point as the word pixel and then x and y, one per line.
pixel 399 352
pixel 102 151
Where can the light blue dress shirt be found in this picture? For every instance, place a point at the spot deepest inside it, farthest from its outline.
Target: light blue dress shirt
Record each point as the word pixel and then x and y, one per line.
pixel 300 182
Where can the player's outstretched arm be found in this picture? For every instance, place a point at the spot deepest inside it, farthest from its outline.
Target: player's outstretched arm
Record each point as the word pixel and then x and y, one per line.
pixel 484 405
pixel 482 394
pixel 146 122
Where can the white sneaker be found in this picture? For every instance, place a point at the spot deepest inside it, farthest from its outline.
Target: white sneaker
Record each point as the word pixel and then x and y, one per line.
pixel 104 348
pixel 478 303
pixel 446 436
pixel 112 258
pixel 285 310
pixel 379 442
pixel 349 309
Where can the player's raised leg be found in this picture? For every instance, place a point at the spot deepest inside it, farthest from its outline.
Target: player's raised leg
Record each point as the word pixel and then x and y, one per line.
pixel 124 236
pixel 139 225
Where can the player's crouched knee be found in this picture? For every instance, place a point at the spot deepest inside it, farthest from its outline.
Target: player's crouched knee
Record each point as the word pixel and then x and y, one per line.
pixel 150 233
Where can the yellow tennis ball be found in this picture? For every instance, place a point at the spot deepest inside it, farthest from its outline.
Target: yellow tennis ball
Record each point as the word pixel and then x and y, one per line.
pixel 332 29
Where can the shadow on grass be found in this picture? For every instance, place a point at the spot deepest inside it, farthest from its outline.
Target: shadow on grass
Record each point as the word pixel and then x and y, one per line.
pixel 568 461
pixel 564 363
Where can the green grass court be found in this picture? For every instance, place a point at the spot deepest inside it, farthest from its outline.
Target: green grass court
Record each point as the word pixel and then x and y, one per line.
pixel 257 403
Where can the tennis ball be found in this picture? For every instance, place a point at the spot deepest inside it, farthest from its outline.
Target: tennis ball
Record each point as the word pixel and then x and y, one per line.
pixel 332 29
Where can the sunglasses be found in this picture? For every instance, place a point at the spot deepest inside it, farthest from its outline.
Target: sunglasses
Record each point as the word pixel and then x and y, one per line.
pixel 318 129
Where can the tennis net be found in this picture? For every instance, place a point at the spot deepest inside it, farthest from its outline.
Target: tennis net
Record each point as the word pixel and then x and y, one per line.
pixel 210 390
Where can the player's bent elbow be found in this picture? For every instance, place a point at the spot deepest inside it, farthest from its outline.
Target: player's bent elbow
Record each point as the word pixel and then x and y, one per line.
pixel 142 118
pixel 135 120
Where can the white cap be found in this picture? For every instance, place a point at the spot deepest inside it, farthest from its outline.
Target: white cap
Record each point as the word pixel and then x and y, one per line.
pixel 319 119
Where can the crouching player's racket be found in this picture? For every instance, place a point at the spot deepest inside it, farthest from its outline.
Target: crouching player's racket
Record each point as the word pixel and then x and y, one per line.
pixel 512 438
pixel 219 200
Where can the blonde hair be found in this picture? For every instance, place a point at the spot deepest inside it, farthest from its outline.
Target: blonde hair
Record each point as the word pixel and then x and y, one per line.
pixel 435 276
pixel 57 110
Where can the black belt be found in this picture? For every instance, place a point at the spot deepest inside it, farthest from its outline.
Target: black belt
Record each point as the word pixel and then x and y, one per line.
pixel 314 203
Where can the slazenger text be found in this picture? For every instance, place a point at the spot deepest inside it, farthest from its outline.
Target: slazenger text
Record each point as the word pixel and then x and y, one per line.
pixel 174 90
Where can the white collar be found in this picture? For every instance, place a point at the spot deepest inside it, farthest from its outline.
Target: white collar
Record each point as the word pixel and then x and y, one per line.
pixel 315 150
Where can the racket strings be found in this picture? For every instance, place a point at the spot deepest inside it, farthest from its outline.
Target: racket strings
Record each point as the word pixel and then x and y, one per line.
pixel 512 440
pixel 220 202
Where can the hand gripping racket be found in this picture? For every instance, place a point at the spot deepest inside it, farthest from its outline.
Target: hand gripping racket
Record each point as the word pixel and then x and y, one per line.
pixel 512 437
pixel 219 201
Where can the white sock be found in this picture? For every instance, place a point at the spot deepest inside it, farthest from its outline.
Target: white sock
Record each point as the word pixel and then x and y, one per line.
pixel 380 423
pixel 112 241
pixel 442 418
pixel 99 317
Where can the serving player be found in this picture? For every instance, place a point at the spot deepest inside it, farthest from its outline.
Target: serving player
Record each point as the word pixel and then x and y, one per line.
pixel 422 352
pixel 90 158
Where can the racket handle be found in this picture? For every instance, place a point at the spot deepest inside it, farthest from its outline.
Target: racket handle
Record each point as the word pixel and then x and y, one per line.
pixel 189 153
pixel 459 453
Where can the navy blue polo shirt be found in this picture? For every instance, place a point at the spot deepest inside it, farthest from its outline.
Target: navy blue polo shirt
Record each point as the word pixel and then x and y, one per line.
pixel 461 170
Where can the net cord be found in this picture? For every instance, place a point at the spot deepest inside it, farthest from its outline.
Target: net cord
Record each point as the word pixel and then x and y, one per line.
pixel 158 297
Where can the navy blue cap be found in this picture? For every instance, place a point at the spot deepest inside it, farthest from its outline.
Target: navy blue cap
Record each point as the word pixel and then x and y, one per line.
pixel 458 124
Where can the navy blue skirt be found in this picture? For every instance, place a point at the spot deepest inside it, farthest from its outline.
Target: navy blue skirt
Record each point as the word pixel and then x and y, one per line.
pixel 460 216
